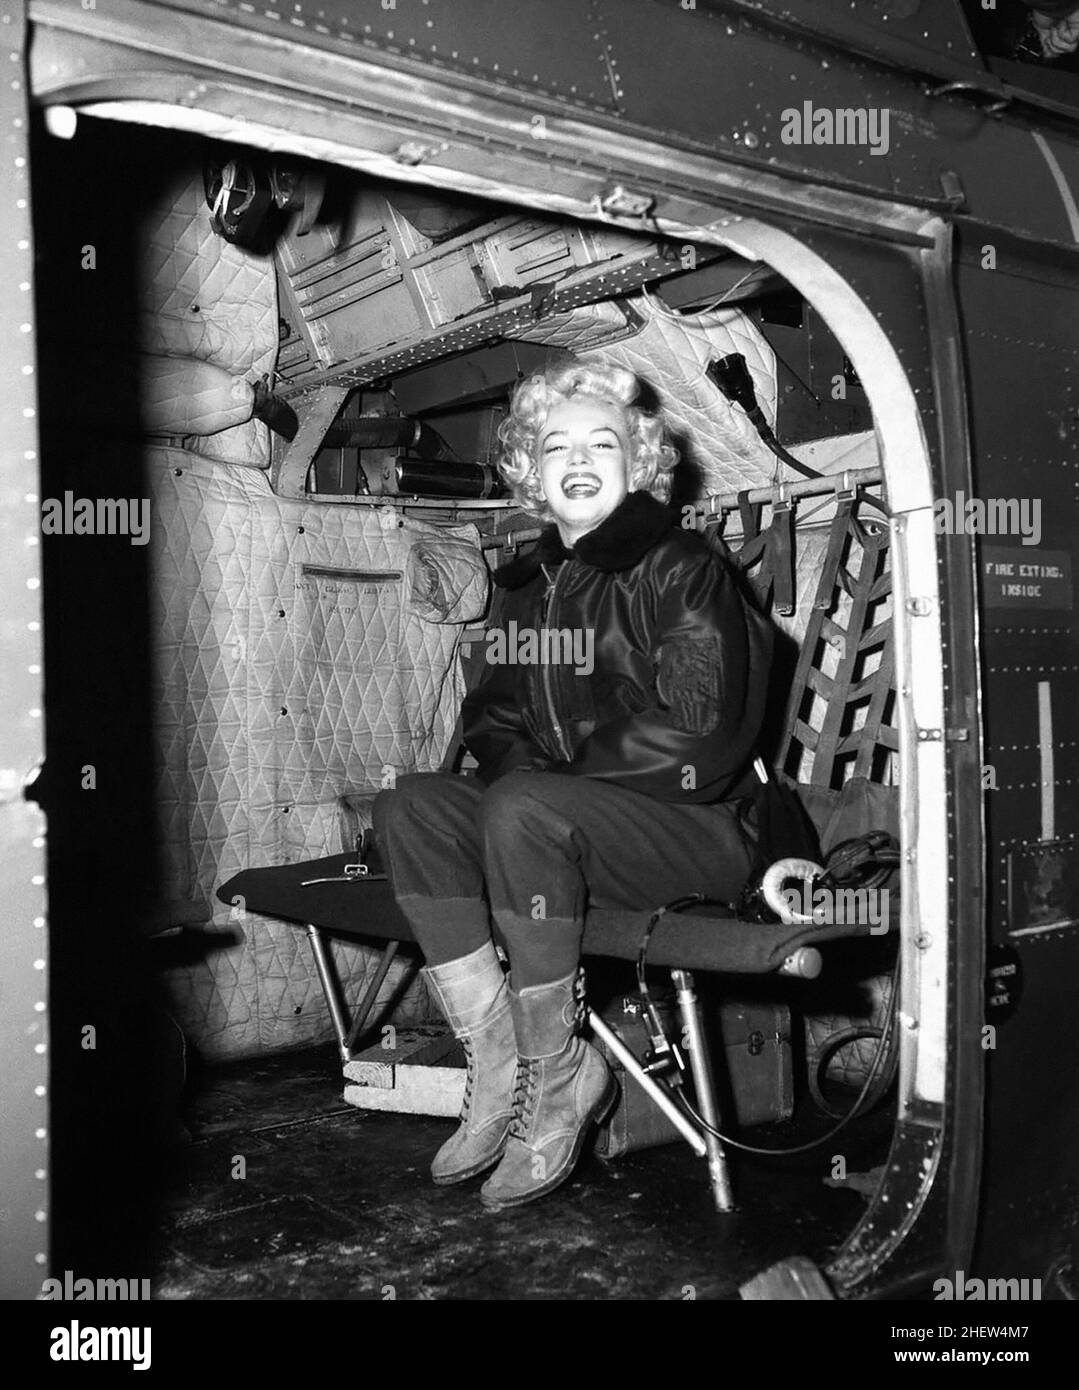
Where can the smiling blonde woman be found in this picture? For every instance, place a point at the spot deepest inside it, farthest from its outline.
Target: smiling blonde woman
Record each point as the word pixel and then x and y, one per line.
pixel 654 457
pixel 614 789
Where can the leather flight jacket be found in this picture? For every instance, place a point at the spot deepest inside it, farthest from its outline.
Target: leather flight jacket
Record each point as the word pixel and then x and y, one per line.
pixel 634 657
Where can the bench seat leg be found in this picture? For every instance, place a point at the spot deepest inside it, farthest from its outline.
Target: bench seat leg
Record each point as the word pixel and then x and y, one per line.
pixel 658 1095
pixel 328 979
pixel 367 1003
pixel 331 988
pixel 697 1046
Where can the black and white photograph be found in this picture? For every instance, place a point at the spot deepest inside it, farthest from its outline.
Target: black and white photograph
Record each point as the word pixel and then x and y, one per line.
pixel 541 670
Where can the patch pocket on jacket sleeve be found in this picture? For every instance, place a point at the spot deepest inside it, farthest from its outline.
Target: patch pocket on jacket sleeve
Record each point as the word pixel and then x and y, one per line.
pixel 688 683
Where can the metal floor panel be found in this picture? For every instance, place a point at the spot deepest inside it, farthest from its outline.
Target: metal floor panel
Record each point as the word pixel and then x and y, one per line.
pixel 341 1206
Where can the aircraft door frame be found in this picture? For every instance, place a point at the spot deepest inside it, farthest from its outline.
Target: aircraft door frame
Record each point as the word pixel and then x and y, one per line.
pixel 24 1075
pixel 891 304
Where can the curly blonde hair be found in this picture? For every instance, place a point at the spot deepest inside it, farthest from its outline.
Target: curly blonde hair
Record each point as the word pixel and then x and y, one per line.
pixel 652 457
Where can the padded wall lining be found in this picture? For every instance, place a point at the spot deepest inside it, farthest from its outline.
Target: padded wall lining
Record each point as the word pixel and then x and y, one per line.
pixel 294 668
pixel 207 329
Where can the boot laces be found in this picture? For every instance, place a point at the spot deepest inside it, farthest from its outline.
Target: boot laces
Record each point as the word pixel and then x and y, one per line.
pixel 470 1077
pixel 580 991
pixel 524 1097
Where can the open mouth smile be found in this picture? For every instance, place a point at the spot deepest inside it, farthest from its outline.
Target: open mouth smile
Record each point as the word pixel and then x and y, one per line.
pixel 579 485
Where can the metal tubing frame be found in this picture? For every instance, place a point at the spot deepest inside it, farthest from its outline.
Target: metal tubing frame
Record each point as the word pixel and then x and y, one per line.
pixel 688 1131
pixel 328 979
pixel 718 503
pixel 697 1047
pixel 331 987
pixel 370 994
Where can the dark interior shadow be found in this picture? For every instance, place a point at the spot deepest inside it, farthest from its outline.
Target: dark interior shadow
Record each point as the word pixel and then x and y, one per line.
pixel 687 480
pixel 116 1065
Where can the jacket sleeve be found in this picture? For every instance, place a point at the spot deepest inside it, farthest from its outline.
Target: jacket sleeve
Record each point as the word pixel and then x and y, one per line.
pixel 710 657
pixel 493 725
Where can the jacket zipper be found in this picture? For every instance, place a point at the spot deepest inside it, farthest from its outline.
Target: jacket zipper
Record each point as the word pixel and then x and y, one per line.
pixel 548 609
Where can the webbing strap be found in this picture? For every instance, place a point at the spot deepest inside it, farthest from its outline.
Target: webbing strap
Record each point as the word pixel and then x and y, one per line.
pixel 837 539
pixel 751 516
pixel 782 529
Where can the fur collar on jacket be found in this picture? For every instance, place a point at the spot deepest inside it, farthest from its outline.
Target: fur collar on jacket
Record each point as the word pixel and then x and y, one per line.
pixel 637 524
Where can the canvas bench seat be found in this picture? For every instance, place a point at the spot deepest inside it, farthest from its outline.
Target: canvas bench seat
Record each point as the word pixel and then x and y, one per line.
pixel 705 939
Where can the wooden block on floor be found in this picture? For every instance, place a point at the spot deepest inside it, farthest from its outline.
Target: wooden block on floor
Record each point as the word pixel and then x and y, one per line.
pixel 415 1047
pixel 420 1075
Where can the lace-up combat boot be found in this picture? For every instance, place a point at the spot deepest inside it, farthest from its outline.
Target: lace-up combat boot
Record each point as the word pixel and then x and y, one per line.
pixel 472 993
pixel 563 1087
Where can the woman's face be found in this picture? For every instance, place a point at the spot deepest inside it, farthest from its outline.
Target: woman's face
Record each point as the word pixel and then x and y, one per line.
pixel 583 456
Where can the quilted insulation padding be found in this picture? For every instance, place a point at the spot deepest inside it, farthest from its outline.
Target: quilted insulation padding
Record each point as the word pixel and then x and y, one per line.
pixel 850 1063
pixel 183 395
pixel 671 352
pixel 200 295
pixel 293 669
pixel 246 445
pixel 578 329
pixel 202 299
